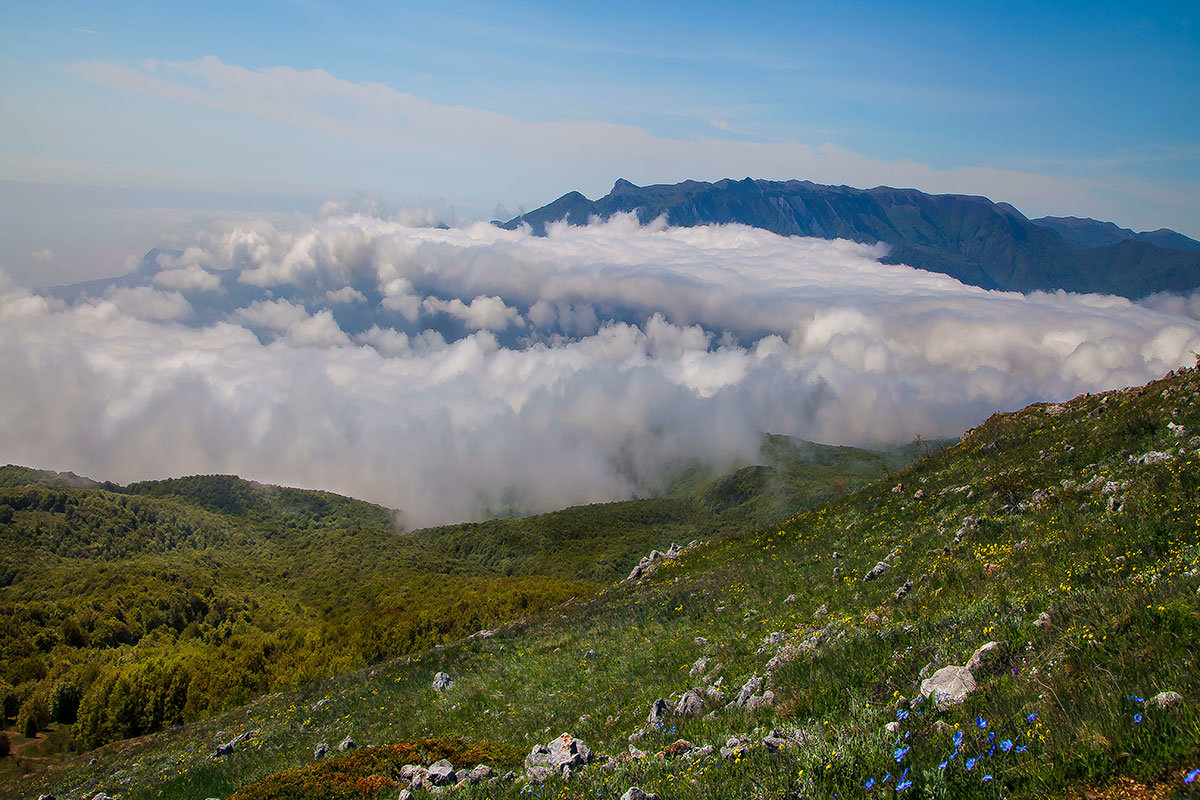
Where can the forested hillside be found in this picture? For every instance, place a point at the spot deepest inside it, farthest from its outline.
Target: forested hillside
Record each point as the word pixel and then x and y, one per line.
pixel 130 609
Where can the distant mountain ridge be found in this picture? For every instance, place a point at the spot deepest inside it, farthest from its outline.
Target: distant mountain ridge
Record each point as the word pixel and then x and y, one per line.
pixel 1087 232
pixel 970 238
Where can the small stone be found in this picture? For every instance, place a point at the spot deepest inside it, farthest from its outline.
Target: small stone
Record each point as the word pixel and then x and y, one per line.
pixel 405 794
pixel 1166 700
pixel 223 750
pixel 658 711
pixel 441 773
pixel 766 700
pixel 791 598
pixel 986 658
pixel 482 772
pixel 677 748
pixel 876 571
pixel 892 727
pixel 699 752
pixel 821 612
pixel 699 666
pixel 903 591
pixel 635 754
pixel 1043 621
pixel 347 744
pixel 442 682
pixel 635 793
pixel 321 750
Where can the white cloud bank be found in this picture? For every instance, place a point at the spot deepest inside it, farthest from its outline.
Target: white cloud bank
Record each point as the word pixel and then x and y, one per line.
pixel 629 352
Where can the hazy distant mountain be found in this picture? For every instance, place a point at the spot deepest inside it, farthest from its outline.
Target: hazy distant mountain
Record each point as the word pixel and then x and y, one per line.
pixel 969 238
pixel 1087 232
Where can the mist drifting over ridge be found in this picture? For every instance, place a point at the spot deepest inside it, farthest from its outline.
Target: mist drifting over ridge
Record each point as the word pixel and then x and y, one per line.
pixel 448 371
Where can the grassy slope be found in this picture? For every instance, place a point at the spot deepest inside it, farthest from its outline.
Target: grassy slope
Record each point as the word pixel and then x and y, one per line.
pixel 1120 584
pixel 231 588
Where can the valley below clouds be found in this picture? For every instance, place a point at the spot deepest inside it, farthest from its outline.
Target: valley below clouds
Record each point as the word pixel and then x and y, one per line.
pixel 455 372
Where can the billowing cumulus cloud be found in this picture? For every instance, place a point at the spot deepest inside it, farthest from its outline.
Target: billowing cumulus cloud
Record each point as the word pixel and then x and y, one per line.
pixel 448 371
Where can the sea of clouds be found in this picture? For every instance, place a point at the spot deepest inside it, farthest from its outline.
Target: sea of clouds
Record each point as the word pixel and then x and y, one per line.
pixel 454 371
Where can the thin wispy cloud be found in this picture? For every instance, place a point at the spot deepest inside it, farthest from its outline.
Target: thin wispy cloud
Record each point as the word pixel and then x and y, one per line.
pixel 317 101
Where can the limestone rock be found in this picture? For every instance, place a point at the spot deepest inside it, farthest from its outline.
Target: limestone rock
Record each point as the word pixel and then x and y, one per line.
pixel 690 705
pixel 949 686
pixel 658 711
pixel 635 793
pixel 699 667
pixel 876 571
pixel 320 750
pixel 441 773
pixel 567 751
pixel 347 744
pixel 1166 700
pixel 442 682
pixel 987 658
pixel 759 702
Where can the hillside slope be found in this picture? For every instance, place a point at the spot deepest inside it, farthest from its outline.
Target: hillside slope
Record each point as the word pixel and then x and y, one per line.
pixel 162 602
pixel 1067 534
pixel 972 239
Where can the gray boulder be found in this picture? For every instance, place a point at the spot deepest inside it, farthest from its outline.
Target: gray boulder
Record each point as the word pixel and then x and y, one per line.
pixel 759 702
pixel 320 750
pixel 567 751
pixel 903 591
pixel 949 686
pixel 223 750
pixel 690 705
pixel 699 667
pixel 748 690
pixel 442 682
pixel 347 744
pixel 441 773
pixel 658 711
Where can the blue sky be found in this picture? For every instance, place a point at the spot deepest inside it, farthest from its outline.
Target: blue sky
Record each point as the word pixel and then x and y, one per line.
pixel 221 108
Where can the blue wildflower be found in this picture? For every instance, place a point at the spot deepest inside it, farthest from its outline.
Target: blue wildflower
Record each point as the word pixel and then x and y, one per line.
pixel 971 763
pixel 870 783
pixel 1191 776
pixel 1006 745
pixel 1137 718
pixel 986 778
pixel 958 738
pixel 1021 748
pixel 1031 717
pixel 944 764
pixel 982 723
pixel 902 714
pixel 886 778
pixel 902 785
pixel 900 753
pixel 1137 699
